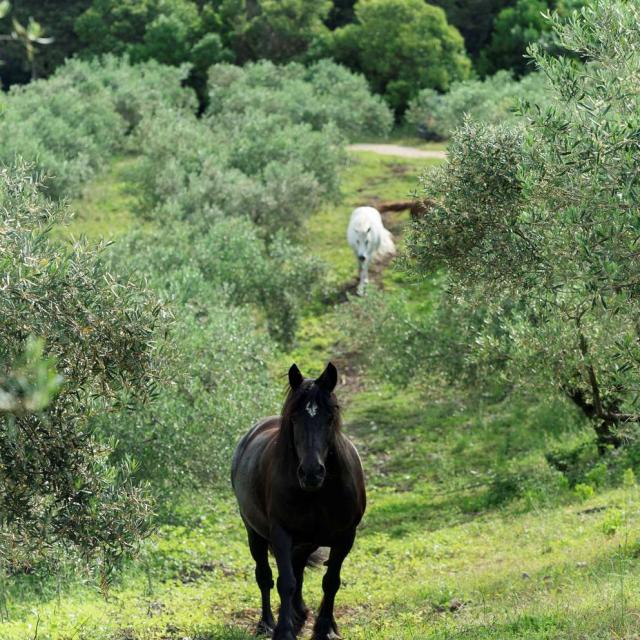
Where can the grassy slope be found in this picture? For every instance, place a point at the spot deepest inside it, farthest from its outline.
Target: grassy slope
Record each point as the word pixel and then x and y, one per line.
pixel 450 548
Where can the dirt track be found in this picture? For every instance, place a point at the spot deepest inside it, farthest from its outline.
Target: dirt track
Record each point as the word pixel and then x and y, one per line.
pixel 398 150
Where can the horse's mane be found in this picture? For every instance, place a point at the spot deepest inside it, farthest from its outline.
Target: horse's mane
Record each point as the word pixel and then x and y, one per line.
pixel 295 401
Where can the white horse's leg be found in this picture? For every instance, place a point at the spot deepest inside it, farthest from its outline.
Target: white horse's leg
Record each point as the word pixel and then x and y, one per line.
pixel 362 279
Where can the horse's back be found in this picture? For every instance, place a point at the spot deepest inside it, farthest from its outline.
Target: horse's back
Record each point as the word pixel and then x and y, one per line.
pixel 247 469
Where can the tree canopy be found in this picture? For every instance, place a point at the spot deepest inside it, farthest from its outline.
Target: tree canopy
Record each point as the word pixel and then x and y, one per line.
pixel 402 46
pixel 278 30
pixel 168 31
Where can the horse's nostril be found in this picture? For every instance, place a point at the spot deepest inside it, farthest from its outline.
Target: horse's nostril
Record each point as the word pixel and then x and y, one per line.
pixel 361 258
pixel 312 477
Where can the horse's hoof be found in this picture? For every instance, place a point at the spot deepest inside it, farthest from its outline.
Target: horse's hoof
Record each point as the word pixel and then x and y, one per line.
pixel 264 629
pixel 284 634
pixel 326 630
pixel 331 635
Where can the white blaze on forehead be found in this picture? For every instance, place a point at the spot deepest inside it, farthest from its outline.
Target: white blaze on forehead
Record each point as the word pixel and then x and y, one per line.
pixel 312 409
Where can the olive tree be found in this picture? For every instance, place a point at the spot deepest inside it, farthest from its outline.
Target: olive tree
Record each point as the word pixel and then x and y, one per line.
pixel 74 343
pixel 538 226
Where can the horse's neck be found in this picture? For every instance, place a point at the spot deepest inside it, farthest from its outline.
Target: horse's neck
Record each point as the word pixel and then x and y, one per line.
pixel 284 444
pixel 339 451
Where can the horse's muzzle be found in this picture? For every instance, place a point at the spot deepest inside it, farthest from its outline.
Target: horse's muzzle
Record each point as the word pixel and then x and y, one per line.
pixel 312 479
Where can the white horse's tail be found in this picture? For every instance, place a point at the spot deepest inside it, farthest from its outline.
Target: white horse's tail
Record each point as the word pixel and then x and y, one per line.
pixel 387 246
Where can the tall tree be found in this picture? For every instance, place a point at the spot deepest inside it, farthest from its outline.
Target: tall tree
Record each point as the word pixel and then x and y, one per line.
pixel 474 19
pixel 278 30
pixel 402 46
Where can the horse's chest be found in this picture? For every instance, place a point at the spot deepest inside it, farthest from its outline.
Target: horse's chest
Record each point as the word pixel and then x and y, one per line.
pixel 321 519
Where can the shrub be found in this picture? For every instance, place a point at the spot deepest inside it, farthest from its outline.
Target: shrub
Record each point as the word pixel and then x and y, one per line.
pixel 320 94
pixel 215 363
pixel 68 126
pixel 493 100
pixel 59 488
pixel 250 164
pixel 67 130
pixel 584 491
pixel 216 356
pixel 401 46
pixel 134 89
pixel 227 260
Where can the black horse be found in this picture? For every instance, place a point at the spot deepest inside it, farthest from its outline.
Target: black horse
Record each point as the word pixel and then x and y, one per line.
pixel 300 486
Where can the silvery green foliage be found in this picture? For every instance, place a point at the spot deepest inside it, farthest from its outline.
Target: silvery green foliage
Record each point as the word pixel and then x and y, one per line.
pixel 317 95
pixel 68 126
pixel 217 384
pixel 59 488
pixel 134 89
pixel 67 130
pixel 251 164
pixel 229 260
pixel 493 100
pixel 540 225
pixel 269 147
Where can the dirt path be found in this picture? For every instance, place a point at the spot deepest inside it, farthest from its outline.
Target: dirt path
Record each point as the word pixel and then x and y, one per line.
pixel 398 150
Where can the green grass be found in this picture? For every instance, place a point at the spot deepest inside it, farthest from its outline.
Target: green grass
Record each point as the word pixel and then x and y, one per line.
pixel 433 559
pixel 106 208
pixel 469 532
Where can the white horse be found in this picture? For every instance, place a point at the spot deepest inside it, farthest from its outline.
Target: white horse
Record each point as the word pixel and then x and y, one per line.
pixel 369 240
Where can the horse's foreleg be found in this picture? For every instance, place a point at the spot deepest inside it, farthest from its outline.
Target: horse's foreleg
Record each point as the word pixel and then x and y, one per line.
pixel 300 611
pixel 363 278
pixel 282 549
pixel 260 551
pixel 325 627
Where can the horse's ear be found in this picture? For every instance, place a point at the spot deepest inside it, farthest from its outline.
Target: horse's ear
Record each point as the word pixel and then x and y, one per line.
pixel 295 377
pixel 328 379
